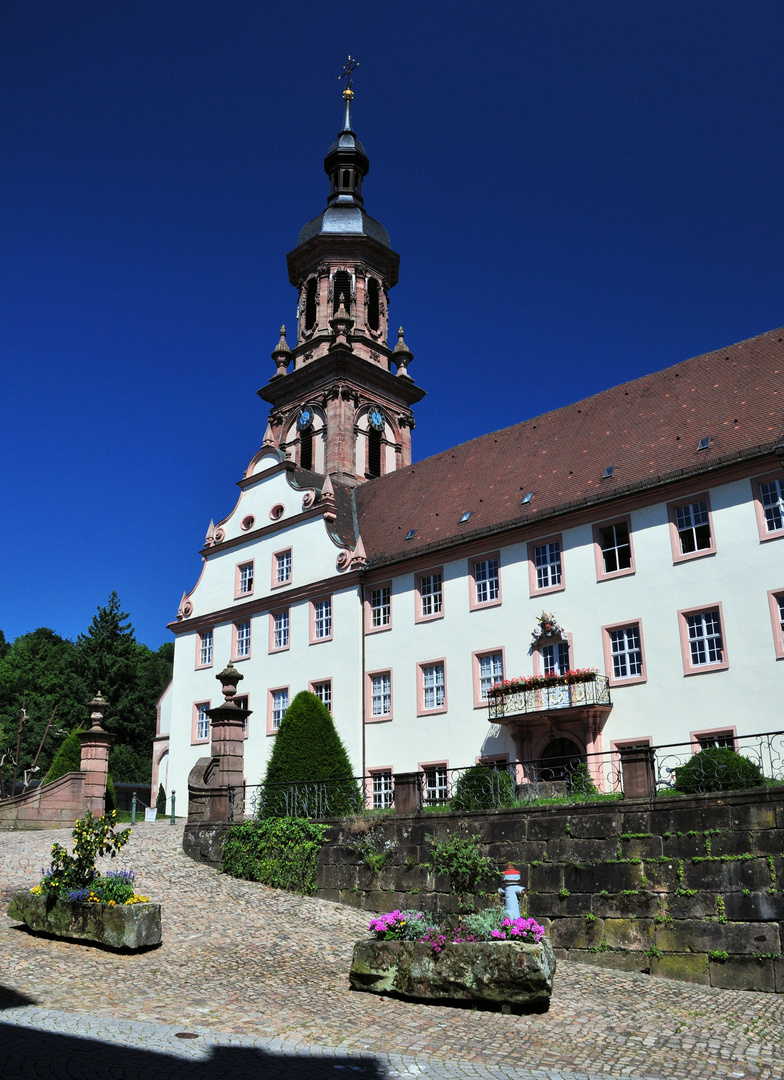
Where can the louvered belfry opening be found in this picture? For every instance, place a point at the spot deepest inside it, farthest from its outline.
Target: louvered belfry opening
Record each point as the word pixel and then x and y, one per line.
pixel 341 286
pixel 306 449
pixel 310 304
pixel 373 313
pixel 374 453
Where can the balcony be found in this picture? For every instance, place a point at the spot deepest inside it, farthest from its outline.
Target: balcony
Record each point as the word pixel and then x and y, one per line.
pixel 548 693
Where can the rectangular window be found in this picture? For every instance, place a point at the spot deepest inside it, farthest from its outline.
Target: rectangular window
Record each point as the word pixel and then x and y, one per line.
pixel 242 703
pixel 431 695
pixel 241 640
pixel 278 704
pixel 691 528
pixel 626 650
pixel 547 561
pixel 545 565
pixel 705 641
pixel 702 640
pixel 772 498
pixel 280 630
pixel 245 579
pixel 381 789
pixel 555 658
pixel 322 619
pixel 431 596
pixel 705 740
pixel 205 648
pixel 486 581
pixel 281 568
pixel 436 784
pixel 202 721
pixel 769 506
pixel 616 547
pixel 323 691
pixel 491 671
pixel 380 607
pixel 624 655
pixel 381 694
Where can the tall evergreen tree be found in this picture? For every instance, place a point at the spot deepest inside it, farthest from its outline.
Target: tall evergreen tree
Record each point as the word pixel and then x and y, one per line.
pixel 131 677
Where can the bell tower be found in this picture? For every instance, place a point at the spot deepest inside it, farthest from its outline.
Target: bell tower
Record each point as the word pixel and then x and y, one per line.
pixel 341 397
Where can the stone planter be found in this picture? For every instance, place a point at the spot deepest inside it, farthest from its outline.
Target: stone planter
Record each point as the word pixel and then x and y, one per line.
pixel 137 926
pixel 506 975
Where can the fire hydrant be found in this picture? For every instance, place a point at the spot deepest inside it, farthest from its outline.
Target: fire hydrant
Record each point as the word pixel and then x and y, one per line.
pixel 511 891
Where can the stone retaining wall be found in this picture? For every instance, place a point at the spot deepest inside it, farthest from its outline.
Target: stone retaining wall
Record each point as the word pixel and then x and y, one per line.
pixel 55 805
pixel 688 887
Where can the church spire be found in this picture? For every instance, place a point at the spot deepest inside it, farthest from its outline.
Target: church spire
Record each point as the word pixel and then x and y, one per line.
pixel 346 163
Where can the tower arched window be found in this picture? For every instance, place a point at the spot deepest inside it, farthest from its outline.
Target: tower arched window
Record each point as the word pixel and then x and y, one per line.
pixel 374 452
pixel 341 285
pixel 373 308
pixel 310 304
pixel 306 448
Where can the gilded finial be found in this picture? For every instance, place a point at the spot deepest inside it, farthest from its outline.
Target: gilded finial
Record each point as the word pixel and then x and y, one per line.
pixel 348 93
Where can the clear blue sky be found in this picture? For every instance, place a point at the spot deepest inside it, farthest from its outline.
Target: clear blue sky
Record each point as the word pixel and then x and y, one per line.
pixel 581 192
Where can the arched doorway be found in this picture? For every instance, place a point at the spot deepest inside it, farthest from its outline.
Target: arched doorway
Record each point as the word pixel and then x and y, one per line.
pixel 559 759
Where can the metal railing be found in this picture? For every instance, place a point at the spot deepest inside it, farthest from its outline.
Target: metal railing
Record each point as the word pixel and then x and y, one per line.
pixel 572 695
pixel 632 770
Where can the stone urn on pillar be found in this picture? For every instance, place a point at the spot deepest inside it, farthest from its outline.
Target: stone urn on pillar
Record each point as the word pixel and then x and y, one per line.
pixel 95 756
pixel 227 722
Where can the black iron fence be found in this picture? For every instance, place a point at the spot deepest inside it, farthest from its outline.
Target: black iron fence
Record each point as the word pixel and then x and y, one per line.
pixel 630 770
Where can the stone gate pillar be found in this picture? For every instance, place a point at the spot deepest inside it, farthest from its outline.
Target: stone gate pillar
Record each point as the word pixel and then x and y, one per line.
pixel 227 723
pixel 95 757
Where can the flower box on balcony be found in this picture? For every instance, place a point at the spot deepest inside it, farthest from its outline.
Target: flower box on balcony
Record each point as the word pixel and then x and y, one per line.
pixel 537 682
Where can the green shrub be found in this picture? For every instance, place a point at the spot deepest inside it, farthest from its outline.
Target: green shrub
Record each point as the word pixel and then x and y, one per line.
pixel 717 768
pixel 460 857
pixel 482 923
pixel 483 788
pixel 581 781
pixel 67 759
pixel 110 802
pixel 280 852
pixel 309 773
pixel 160 803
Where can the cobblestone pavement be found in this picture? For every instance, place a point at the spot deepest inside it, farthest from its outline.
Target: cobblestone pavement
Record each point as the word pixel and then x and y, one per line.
pixel 260 977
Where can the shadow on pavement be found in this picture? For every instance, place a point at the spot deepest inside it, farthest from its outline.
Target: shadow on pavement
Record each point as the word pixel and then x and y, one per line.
pixel 29 1052
pixel 12 999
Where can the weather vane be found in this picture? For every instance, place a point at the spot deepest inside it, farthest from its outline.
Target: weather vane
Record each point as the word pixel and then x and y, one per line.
pixel 347 69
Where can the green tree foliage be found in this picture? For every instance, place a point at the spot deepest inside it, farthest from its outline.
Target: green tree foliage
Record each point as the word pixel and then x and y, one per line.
pixel 67 759
pixel 308 749
pixel 41 670
pixel 717 768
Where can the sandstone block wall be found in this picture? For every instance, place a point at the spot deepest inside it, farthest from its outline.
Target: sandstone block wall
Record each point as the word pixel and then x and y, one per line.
pixel 685 887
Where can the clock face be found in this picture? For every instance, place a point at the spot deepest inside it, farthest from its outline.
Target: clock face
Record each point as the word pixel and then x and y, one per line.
pixel 305 419
pixel 376 419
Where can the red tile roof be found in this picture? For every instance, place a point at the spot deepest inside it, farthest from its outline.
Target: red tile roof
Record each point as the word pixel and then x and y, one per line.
pixel 648 429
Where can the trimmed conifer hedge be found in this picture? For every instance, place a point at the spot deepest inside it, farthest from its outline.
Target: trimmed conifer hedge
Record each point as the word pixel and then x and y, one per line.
pixel 309 773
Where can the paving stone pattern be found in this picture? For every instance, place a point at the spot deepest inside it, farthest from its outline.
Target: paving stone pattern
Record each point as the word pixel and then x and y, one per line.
pixel 261 977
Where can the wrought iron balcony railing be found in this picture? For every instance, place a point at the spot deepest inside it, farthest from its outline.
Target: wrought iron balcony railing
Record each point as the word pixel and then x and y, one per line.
pixel 594 690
